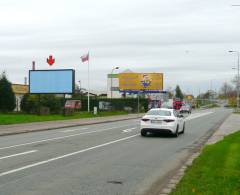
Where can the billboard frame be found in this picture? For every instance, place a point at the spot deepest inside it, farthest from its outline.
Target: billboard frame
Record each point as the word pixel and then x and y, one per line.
pixel 73 80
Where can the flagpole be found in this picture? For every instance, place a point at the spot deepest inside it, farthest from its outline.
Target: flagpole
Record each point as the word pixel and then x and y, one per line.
pixel 88 85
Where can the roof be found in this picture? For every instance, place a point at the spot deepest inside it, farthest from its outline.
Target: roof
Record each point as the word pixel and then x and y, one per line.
pixel 19 88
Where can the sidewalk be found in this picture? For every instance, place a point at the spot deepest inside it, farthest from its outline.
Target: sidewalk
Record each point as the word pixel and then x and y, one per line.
pixel 230 125
pixel 41 126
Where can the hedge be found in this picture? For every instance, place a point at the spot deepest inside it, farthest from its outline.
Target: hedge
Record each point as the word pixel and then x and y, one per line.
pixel 31 103
pixel 117 104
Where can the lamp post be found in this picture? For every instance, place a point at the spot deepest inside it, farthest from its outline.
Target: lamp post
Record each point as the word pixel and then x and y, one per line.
pixel 238 54
pixel 115 68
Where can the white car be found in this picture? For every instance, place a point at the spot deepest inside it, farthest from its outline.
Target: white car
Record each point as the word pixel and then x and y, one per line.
pixel 162 120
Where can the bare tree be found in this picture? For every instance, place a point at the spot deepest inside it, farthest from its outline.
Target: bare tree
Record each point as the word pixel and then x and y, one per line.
pixel 226 90
pixel 235 81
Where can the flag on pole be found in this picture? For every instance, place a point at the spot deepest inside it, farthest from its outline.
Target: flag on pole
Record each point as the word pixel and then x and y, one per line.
pixel 85 57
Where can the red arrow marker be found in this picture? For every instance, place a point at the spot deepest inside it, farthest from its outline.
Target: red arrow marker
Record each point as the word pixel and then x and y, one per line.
pixel 50 60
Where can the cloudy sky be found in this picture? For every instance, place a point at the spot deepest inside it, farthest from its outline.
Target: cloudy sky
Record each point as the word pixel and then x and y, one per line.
pixel 187 40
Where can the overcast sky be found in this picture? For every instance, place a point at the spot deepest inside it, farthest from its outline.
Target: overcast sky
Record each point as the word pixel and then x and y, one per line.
pixel 187 40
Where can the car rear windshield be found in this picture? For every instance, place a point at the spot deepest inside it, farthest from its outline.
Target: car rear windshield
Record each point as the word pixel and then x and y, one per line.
pixel 159 112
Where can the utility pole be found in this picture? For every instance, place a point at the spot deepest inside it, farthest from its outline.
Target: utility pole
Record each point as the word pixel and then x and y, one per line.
pixel 238 55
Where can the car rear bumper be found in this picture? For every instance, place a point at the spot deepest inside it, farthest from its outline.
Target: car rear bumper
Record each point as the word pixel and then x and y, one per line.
pixel 158 128
pixel 184 111
pixel 150 130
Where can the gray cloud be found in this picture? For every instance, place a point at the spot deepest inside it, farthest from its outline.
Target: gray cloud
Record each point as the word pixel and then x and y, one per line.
pixel 187 40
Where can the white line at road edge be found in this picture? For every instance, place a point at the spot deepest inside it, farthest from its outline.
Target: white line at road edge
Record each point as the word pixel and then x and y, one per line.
pixel 197 115
pixel 57 138
pixel 64 156
pixel 19 154
pixel 71 130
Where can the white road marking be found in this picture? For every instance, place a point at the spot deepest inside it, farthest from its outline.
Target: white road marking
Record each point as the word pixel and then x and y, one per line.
pixel 66 131
pixel 197 115
pixel 128 130
pixel 71 130
pixel 19 154
pixel 57 138
pixel 65 156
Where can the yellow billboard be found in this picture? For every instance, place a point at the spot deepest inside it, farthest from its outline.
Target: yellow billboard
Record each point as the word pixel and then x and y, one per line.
pixel 140 81
pixel 19 89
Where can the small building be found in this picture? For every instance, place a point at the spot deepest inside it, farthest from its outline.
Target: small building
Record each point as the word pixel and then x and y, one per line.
pixel 113 86
pixel 19 90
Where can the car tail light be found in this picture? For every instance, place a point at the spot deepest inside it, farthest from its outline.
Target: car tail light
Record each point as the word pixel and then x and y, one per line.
pixel 145 119
pixel 168 120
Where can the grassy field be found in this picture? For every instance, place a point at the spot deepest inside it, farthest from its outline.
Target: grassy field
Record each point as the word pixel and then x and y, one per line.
pixel 6 119
pixel 215 171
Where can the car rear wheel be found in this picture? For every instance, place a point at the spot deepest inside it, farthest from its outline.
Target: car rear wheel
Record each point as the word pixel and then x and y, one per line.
pixel 177 133
pixel 143 133
pixel 183 128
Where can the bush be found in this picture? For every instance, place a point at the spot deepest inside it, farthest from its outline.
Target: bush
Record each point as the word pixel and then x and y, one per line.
pixel 7 97
pixel 55 104
pixel 30 104
pixel 232 102
pixel 33 103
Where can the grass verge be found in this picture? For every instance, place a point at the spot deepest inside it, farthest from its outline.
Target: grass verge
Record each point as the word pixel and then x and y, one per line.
pixel 13 118
pixel 215 171
pixel 236 111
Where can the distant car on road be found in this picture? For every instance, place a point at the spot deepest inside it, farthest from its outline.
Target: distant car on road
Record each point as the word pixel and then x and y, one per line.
pixel 186 108
pixel 172 103
pixel 162 120
pixel 177 105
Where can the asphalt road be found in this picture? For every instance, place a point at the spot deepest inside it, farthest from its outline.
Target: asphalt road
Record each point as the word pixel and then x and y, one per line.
pixel 110 158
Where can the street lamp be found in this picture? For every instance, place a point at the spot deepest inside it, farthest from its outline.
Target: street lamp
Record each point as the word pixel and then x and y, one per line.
pixel 115 68
pixel 238 54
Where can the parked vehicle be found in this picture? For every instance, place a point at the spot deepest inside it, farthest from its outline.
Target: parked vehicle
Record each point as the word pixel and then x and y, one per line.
pixel 162 120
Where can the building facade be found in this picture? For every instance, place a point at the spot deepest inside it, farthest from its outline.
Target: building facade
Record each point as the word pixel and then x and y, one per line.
pixel 113 86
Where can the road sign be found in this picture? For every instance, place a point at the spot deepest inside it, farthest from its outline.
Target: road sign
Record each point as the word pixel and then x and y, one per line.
pixel 50 60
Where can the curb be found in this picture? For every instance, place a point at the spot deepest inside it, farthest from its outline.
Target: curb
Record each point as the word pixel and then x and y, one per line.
pixel 61 127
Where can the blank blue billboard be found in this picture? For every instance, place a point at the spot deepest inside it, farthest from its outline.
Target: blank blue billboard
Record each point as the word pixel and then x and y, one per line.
pixel 51 81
